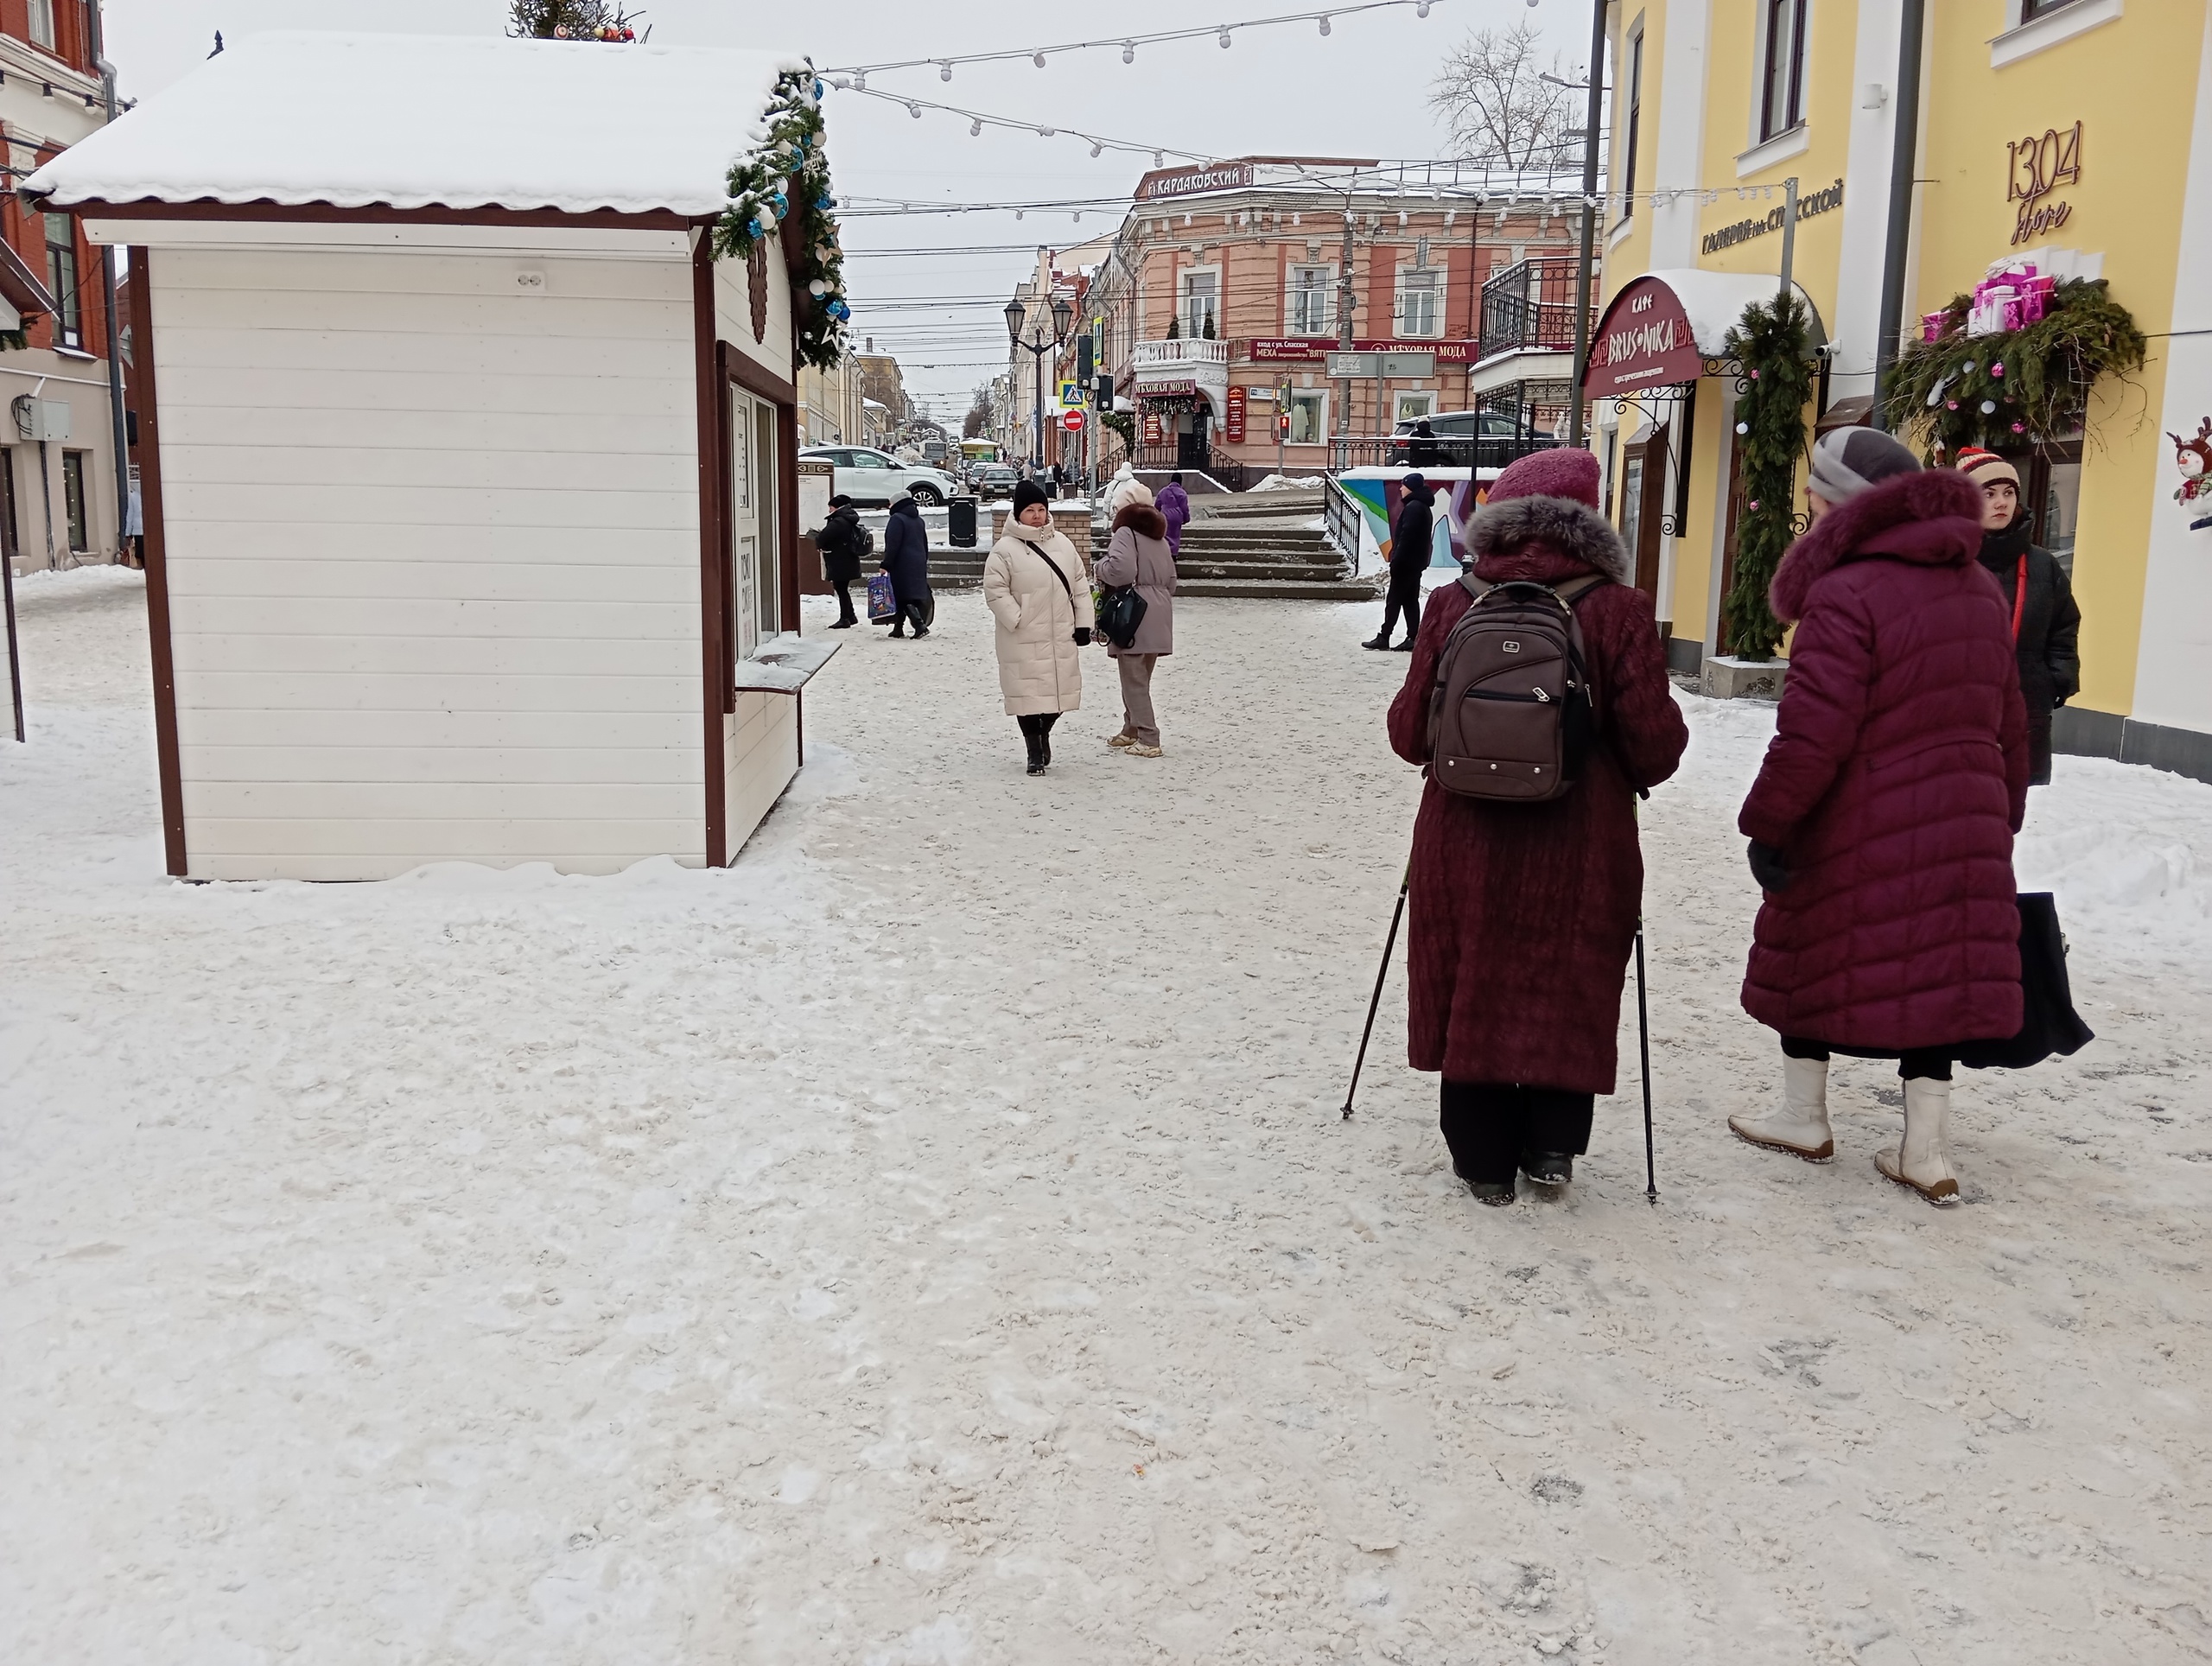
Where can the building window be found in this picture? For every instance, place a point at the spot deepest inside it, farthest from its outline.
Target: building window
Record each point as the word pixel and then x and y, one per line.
pixel 1309 417
pixel 42 23
pixel 1308 305
pixel 1635 119
pixel 1421 289
pixel 1201 303
pixel 1783 84
pixel 2031 9
pixel 61 279
pixel 1412 407
pixel 73 495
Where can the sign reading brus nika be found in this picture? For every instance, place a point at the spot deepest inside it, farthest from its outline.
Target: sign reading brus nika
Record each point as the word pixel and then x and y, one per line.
pixel 1817 202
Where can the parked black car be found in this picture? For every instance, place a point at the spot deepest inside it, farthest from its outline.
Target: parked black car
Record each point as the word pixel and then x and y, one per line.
pixel 1465 439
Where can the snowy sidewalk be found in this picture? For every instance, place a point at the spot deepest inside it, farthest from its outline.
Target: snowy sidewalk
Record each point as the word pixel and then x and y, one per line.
pixel 933 1240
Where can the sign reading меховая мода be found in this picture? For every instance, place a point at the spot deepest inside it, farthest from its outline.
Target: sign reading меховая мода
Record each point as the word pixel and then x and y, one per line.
pixel 1743 230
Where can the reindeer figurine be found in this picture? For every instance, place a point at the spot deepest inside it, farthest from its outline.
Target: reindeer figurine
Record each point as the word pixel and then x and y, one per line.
pixel 2194 459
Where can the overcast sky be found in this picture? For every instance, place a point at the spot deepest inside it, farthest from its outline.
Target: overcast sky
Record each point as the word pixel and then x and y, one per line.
pixel 1283 89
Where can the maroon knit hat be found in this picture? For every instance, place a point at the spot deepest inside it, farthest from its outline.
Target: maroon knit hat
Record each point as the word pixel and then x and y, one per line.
pixel 1560 472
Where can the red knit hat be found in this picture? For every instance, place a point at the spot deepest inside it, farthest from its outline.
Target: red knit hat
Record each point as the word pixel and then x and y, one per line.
pixel 1985 467
pixel 1560 472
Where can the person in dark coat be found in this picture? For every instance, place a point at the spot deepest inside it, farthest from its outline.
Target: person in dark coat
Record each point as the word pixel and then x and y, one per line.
pixel 1882 820
pixel 2038 599
pixel 839 541
pixel 1421 450
pixel 906 558
pixel 1521 917
pixel 1412 546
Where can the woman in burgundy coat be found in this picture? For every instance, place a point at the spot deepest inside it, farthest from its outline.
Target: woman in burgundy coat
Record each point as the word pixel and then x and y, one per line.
pixel 1882 820
pixel 1521 916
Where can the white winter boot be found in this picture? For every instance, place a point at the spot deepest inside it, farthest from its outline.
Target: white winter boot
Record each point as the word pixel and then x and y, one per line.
pixel 1923 1161
pixel 1801 1127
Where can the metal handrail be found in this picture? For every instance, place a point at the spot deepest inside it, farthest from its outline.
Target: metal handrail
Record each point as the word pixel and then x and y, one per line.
pixel 1342 521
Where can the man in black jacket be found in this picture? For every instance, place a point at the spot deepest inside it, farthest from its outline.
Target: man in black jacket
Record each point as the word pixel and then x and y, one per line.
pixel 1412 542
pixel 839 541
pixel 2046 623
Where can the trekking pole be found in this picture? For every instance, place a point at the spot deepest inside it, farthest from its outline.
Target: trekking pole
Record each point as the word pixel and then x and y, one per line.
pixel 1382 972
pixel 1644 1038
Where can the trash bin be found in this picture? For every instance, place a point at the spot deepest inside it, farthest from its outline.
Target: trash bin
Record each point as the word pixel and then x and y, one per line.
pixel 960 522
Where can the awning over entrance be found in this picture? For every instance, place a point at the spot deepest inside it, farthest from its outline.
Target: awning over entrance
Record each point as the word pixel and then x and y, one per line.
pixel 1662 327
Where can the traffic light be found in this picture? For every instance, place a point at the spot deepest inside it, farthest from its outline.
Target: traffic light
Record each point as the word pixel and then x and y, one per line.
pixel 1102 396
pixel 1083 359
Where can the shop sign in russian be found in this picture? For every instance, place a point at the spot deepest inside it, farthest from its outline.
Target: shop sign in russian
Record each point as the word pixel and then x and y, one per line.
pixel 1643 341
pixel 1297 350
pixel 1233 418
pixel 1194 181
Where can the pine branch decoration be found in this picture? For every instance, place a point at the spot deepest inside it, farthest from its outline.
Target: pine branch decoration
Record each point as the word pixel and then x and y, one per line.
pixel 1773 344
pixel 780 189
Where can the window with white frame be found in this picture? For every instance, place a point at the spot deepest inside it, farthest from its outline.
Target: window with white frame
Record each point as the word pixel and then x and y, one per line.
pixel 1309 417
pixel 1198 303
pixel 1412 407
pixel 1634 124
pixel 1781 80
pixel 1306 303
pixel 1420 298
pixel 42 23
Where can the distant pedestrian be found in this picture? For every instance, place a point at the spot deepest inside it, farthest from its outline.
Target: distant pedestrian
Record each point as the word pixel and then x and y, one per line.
pixel 2038 599
pixel 906 558
pixel 1413 544
pixel 1521 915
pixel 1422 450
pixel 840 542
pixel 1882 820
pixel 1139 554
pixel 1123 489
pixel 1174 505
pixel 1037 590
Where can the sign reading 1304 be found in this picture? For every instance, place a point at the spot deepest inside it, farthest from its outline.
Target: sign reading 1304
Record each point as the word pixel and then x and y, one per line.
pixel 2036 167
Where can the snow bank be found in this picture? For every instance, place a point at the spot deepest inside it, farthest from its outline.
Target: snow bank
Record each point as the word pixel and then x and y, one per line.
pixel 1290 483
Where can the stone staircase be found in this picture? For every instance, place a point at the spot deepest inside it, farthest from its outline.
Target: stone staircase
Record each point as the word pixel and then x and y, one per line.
pixel 1263 544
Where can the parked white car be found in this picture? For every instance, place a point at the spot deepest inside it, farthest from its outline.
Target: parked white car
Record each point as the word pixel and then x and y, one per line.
pixel 867 476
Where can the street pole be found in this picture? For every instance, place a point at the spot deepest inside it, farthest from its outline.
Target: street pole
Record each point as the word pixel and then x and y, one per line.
pixel 1788 233
pixel 108 286
pixel 1906 104
pixel 1346 300
pixel 1575 421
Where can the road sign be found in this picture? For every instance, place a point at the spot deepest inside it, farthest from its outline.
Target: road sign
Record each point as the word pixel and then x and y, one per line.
pixel 1072 420
pixel 1408 363
pixel 1354 364
pixel 1070 395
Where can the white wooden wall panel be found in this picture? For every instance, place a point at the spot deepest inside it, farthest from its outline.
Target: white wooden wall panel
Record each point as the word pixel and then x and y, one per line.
pixel 433 559
pixel 733 317
pixel 760 753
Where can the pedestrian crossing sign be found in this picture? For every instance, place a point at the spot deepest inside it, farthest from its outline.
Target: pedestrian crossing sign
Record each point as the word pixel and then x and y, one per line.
pixel 1071 396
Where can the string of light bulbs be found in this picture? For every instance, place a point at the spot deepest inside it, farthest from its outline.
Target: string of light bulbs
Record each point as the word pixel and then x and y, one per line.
pixel 978 120
pixel 1224 32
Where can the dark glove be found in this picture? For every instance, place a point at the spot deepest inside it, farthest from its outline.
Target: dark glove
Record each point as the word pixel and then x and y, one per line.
pixel 1767 867
pixel 1083 636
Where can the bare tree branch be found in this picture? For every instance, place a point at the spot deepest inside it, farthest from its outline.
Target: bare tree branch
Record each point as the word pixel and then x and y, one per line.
pixel 1500 112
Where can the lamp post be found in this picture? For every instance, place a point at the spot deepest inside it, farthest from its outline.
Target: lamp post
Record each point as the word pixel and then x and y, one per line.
pixel 1063 315
pixel 1596 89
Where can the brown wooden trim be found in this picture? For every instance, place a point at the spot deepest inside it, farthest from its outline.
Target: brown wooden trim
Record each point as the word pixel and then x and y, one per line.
pixel 758 379
pixel 726 527
pixel 376 214
pixel 712 441
pixel 787 514
pixel 169 764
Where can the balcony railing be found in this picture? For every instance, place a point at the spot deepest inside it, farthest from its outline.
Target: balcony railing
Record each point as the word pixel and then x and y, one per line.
pixel 1180 353
pixel 1397 451
pixel 1530 305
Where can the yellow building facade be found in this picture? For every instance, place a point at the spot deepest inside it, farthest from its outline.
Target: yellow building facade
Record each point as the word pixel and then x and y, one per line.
pixel 2077 133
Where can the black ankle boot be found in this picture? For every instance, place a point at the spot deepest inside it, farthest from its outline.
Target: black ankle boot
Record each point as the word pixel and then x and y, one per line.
pixel 1035 741
pixel 1547 1168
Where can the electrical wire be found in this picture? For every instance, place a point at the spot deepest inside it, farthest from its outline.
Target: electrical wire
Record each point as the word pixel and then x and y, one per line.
pixel 1127 44
pixel 977 120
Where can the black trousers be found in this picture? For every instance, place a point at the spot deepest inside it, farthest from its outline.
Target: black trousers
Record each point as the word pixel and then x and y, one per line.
pixel 1402 599
pixel 1489 1125
pixel 1920 1064
pixel 845 614
pixel 2038 749
pixel 1038 722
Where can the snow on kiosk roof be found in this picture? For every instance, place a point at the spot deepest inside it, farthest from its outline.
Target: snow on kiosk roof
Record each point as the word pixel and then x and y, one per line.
pixel 295 118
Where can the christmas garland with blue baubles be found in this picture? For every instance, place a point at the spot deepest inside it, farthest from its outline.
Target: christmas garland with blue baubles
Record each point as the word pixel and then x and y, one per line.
pixel 787 177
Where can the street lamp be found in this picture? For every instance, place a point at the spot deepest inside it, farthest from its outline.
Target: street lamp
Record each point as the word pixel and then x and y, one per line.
pixel 1063 315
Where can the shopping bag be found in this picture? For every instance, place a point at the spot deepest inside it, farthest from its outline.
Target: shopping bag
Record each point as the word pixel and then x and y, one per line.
pixel 882 600
pixel 2049 1023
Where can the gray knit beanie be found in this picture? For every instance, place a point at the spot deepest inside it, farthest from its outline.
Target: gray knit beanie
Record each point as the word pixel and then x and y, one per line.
pixel 1847 460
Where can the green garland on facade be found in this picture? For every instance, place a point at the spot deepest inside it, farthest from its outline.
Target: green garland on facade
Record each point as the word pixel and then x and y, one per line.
pixel 2006 391
pixel 787 175
pixel 1774 346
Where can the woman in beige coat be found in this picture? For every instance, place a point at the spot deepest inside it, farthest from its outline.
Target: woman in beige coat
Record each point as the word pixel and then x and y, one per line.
pixel 1038 592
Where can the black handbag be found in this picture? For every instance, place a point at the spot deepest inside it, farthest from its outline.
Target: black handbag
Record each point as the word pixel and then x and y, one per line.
pixel 2049 1023
pixel 1120 611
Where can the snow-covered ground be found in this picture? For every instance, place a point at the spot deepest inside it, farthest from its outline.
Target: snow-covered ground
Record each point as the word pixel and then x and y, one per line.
pixel 933 1240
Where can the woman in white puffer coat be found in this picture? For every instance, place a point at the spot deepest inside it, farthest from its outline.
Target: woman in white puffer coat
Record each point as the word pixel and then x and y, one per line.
pixel 1038 592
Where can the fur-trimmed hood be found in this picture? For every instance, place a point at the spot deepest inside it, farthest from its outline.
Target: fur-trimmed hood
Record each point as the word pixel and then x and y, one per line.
pixel 1932 518
pixel 1501 536
pixel 1143 519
